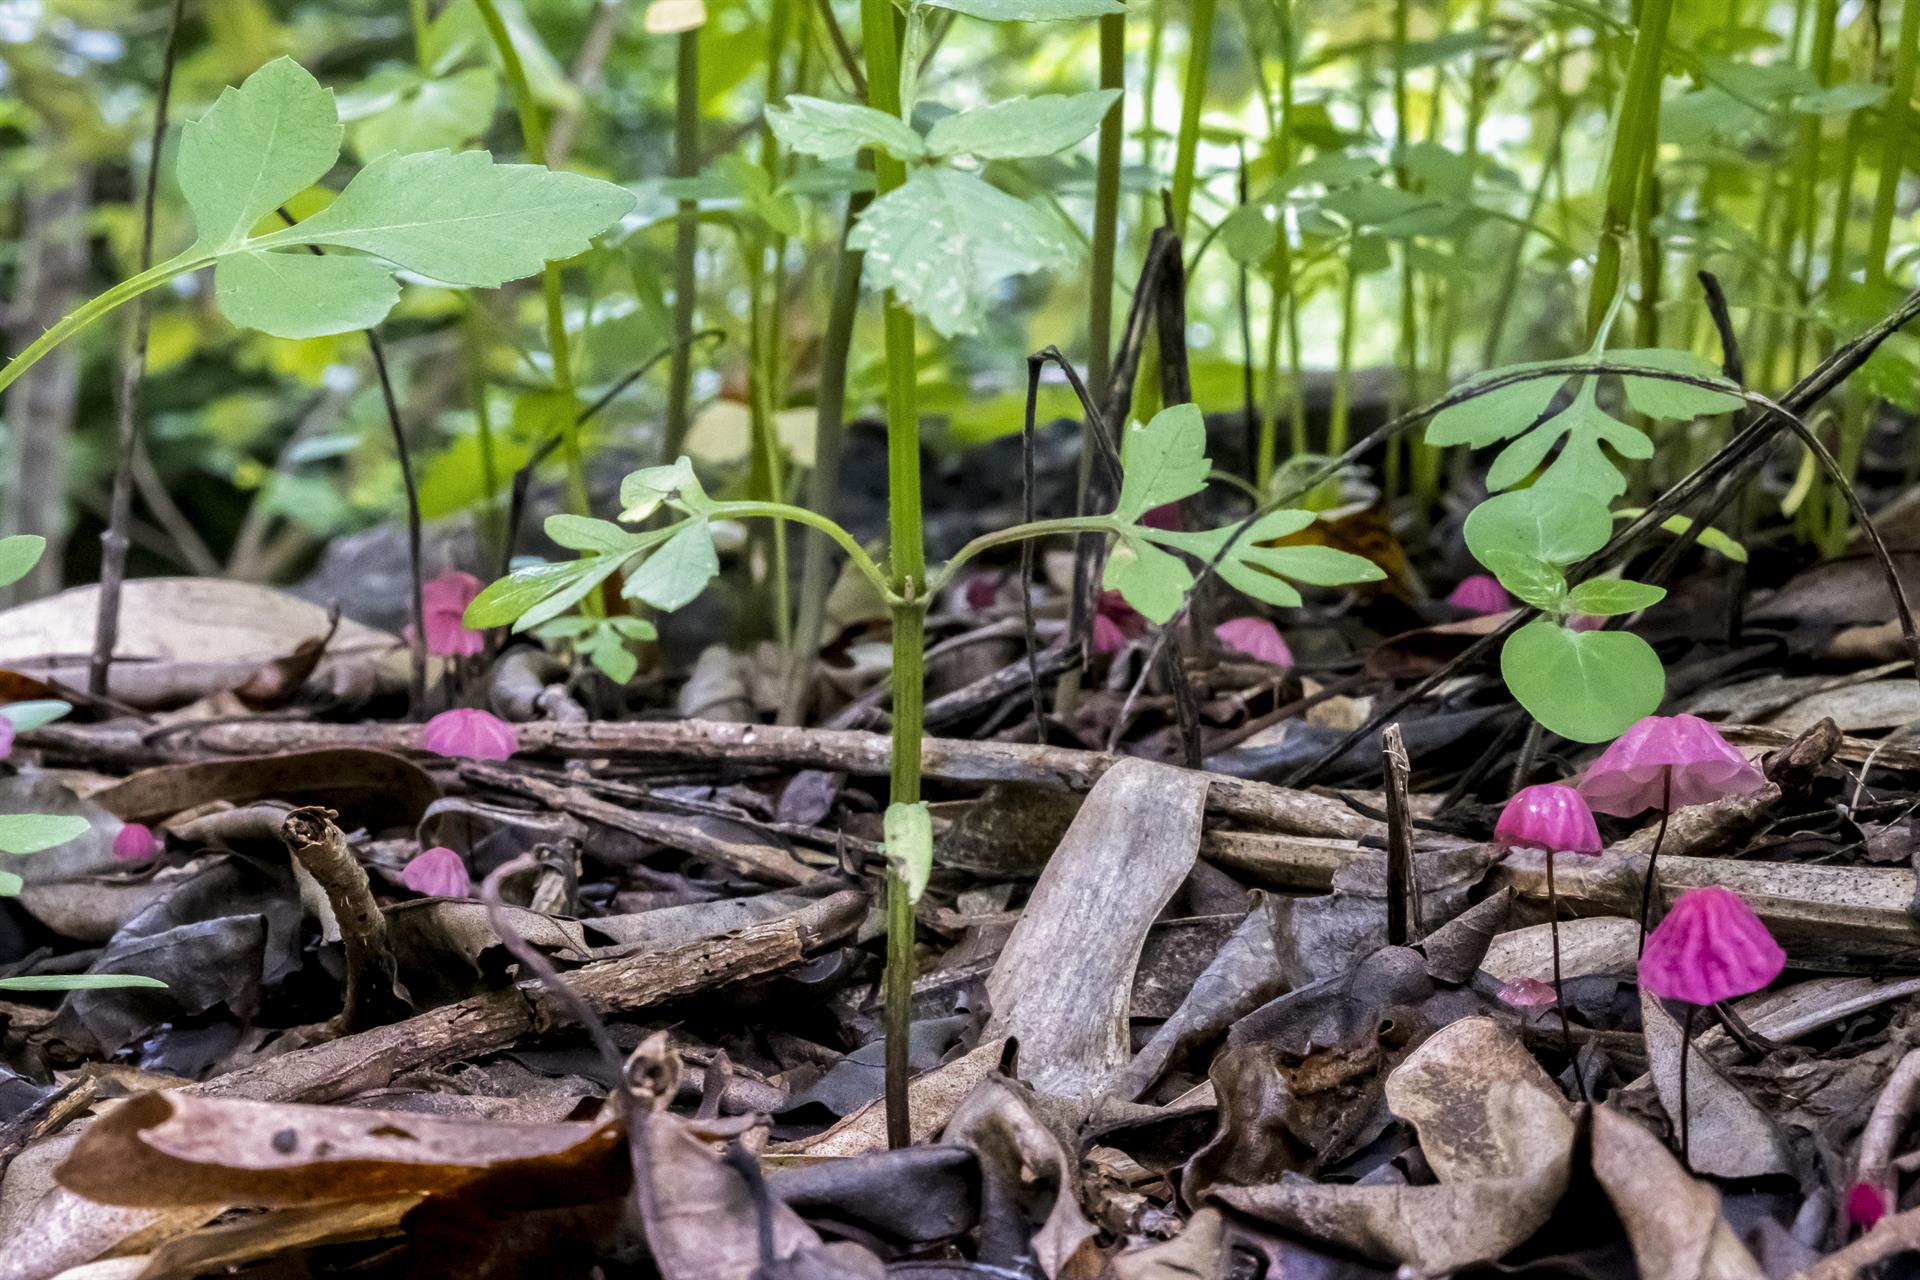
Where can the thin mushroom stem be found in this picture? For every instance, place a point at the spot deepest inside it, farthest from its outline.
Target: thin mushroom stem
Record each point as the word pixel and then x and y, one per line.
pixel 1559 995
pixel 1686 1124
pixel 1659 838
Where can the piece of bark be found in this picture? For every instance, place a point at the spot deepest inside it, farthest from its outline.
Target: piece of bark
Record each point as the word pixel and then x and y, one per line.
pixel 1061 984
pixel 1841 917
pixel 1258 804
pixel 373 992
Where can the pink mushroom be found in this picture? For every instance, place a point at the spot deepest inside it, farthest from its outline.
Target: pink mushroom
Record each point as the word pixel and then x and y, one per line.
pixel 1711 947
pixel 1553 818
pixel 1666 763
pixel 1257 638
pixel 135 842
pixel 443 605
pixel 469 734
pixel 1481 593
pixel 439 873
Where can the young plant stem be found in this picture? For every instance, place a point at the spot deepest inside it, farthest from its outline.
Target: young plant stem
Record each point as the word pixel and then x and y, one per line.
pixel 1899 120
pixel 907 575
pixel 765 287
pixel 686 231
pixel 1636 134
pixel 1659 838
pixel 533 137
pixel 823 486
pixel 1106 204
pixel 1193 95
pixel 417 642
pixel 1686 1112
pixel 114 542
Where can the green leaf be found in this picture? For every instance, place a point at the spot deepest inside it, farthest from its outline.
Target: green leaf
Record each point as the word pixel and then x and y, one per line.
pixel 610 656
pixel 1153 581
pixel 462 218
pixel 944 239
pixel 78 982
pixel 1162 461
pixel 1495 415
pixel 27 716
pixel 589 573
pixel 1029 10
pixel 642 492
pixel 678 571
pixel 1530 579
pixel 1677 401
pixel 907 830
pixel 1586 686
pixel 583 533
pixel 427 114
pixel 1545 524
pixel 10 885
pixel 1581 465
pixel 514 598
pixel 1710 537
pixel 18 554
pixel 1249 236
pixel 32 832
pixel 297 295
pixel 829 130
pixel 256 148
pixel 1605 597
pixel 1017 128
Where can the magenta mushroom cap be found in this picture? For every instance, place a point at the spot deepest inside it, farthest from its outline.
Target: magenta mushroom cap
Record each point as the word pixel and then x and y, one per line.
pixel 1256 638
pixel 1711 947
pixel 1526 993
pixel 469 734
pixel 1550 816
pixel 1865 1205
pixel 439 873
pixel 1481 593
pixel 443 606
pixel 1631 775
pixel 135 842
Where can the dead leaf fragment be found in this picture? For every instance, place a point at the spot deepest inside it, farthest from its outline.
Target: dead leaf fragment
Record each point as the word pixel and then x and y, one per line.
pixel 1673 1220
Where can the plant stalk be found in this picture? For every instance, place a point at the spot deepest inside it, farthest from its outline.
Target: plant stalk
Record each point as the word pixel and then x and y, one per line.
pixel 1636 134
pixel 686 229
pixel 1193 94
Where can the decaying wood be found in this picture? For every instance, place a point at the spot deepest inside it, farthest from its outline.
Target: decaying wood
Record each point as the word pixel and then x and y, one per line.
pixel 320 848
pixel 1844 917
pixel 1257 804
pixel 1403 882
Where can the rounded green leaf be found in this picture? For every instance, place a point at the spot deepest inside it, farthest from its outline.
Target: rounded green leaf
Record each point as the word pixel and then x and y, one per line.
pixel 18 554
pixel 32 832
pixel 1586 686
pixel 1555 525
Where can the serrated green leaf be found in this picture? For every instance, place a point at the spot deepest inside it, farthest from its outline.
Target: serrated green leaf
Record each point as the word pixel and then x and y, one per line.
pixel 1551 525
pixel 1581 465
pixel 907 830
pixel 1496 415
pixel 18 554
pixel 298 295
pixel 256 148
pixel 678 571
pixel 944 239
pixel 461 218
pixel 1018 128
pixel 643 491
pixel 1530 579
pixel 1267 573
pixel 32 832
pixel 1606 597
pixel 1029 10
pixel 829 130
pixel 1586 686
pixel 1162 461
pixel 1153 581
pixel 78 982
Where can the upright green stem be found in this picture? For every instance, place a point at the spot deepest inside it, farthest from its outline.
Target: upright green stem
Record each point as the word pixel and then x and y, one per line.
pixel 907 574
pixel 1193 94
pixel 686 164
pixel 1899 120
pixel 1106 204
pixel 533 134
pixel 1636 133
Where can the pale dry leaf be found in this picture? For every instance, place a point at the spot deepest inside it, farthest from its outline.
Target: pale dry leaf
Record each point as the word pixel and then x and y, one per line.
pixel 1730 1136
pixel 1672 1220
pixel 1062 982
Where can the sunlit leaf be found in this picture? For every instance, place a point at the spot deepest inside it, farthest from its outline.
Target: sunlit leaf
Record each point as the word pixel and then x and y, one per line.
pixel 1019 127
pixel 259 146
pixel 817 127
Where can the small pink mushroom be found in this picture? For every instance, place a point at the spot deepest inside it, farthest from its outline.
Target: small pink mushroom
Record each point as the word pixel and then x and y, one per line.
pixel 1481 593
pixel 439 873
pixel 469 734
pixel 1257 638
pixel 135 842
